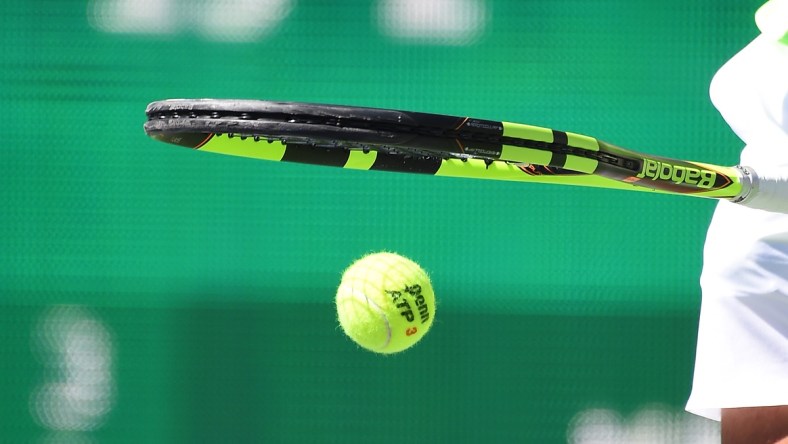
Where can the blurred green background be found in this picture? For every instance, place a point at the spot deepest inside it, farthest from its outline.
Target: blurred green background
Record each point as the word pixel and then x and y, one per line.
pixel 153 294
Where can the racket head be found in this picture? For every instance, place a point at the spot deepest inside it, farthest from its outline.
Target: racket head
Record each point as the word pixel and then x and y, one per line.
pixel 337 126
pixel 358 138
pixel 331 135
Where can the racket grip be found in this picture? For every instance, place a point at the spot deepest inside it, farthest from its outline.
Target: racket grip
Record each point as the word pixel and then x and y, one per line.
pixel 766 189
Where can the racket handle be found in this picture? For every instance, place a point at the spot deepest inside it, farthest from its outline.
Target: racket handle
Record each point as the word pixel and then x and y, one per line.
pixel 765 189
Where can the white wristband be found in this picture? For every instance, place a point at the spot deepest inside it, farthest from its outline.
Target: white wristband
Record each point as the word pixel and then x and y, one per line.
pixel 766 189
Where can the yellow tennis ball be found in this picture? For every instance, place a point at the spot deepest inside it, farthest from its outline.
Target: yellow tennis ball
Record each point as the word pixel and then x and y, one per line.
pixel 385 302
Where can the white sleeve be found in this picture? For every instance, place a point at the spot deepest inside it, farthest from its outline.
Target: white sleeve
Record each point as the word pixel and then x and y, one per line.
pixel 743 331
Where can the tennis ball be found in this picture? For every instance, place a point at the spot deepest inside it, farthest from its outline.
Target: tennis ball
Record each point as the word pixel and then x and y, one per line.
pixel 385 302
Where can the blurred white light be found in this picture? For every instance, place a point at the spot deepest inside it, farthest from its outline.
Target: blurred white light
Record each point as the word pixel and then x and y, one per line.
pixel 447 22
pixel 240 20
pixel 217 20
pixel 133 16
pixel 76 350
pixel 595 426
pixel 651 424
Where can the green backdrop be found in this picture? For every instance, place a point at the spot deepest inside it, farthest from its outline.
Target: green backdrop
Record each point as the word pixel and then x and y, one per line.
pixel 153 294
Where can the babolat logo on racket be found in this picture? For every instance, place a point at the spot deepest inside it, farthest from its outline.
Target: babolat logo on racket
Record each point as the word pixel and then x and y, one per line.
pixel 654 169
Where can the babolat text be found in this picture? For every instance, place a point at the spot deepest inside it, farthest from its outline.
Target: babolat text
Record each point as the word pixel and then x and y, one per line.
pixel 654 169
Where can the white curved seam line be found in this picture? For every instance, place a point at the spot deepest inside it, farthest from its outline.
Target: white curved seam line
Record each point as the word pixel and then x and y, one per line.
pixel 382 315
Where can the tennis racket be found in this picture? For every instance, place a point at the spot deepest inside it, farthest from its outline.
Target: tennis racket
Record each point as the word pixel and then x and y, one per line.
pixel 441 145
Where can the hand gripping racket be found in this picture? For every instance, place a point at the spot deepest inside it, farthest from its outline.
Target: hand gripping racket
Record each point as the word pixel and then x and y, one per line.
pixel 413 142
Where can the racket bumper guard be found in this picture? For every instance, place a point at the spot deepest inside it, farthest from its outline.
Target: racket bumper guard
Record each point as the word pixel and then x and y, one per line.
pixel 748 180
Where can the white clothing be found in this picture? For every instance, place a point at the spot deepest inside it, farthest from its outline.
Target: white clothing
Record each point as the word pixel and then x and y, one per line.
pixel 742 350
